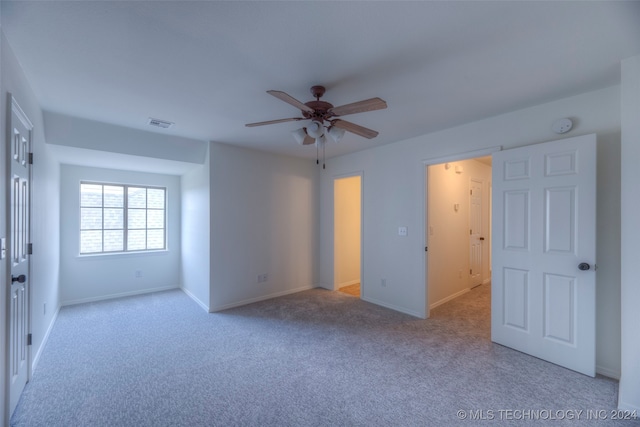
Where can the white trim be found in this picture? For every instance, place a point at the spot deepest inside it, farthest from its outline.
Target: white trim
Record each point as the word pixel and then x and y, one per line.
pixel 258 299
pixel 394 307
pixel 36 358
pixel 119 295
pixel 467 155
pixel 193 297
pixel 449 298
pixel 623 406
pixel 15 108
pixel 607 372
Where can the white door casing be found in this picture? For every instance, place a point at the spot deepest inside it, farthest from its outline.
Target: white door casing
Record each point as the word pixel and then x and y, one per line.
pixel 544 225
pixel 19 249
pixel 475 233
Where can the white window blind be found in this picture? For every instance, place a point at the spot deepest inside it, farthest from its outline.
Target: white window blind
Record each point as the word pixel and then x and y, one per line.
pixel 121 218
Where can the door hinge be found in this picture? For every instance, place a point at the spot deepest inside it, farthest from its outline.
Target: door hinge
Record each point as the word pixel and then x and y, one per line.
pixel 28 339
pixel 30 158
pixel 470 271
pixel 426 248
pixel 29 248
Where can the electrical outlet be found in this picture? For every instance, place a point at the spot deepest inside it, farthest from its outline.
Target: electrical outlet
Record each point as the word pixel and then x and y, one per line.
pixel 383 283
pixel 262 278
pixel 138 273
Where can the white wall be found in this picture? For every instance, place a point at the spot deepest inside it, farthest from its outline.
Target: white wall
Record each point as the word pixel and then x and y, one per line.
pixel 89 134
pixel 448 241
pixel 394 196
pixel 196 237
pixel 94 277
pixel 347 231
pixel 45 235
pixel 264 220
pixel 629 394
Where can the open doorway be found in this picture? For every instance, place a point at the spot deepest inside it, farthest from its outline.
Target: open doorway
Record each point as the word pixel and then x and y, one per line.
pixel 458 227
pixel 347 205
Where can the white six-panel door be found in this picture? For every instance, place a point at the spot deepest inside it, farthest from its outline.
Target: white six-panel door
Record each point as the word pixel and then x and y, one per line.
pixel 544 224
pixel 19 238
pixel 475 233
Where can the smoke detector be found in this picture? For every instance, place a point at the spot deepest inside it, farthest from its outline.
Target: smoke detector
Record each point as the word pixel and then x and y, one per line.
pixel 561 126
pixel 159 123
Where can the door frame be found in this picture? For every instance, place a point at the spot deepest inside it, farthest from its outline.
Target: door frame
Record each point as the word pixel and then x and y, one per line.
pixel 333 243
pixel 467 155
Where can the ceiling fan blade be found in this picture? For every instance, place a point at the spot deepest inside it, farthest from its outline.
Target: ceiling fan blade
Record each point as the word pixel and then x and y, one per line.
pixel 359 107
pixel 271 122
pixel 308 140
pixel 290 100
pixel 354 128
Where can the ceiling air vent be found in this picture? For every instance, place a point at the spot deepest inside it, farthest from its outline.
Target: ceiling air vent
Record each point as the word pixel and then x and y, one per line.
pixel 160 123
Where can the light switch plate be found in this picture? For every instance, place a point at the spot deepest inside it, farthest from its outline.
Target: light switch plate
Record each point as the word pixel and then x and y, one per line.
pixel 3 248
pixel 403 231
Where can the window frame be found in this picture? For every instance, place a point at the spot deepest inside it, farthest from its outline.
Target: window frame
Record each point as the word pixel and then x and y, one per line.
pixel 125 218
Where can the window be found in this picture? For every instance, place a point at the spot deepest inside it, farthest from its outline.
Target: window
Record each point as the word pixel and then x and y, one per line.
pixel 121 218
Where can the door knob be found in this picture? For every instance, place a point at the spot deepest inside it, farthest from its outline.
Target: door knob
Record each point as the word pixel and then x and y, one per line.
pixel 20 279
pixel 583 266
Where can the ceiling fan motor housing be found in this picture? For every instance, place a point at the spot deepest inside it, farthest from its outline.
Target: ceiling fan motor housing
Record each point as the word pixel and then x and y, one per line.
pixel 320 110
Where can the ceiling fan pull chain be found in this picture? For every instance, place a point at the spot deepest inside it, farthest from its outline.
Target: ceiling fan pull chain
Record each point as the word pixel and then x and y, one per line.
pixel 323 157
pixel 317 155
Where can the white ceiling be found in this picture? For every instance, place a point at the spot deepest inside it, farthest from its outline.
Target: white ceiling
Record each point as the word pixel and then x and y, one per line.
pixel 206 65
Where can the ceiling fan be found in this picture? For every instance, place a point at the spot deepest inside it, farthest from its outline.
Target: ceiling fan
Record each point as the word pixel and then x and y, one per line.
pixel 323 116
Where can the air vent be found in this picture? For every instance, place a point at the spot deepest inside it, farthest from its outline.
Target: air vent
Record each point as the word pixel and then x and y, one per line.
pixel 160 123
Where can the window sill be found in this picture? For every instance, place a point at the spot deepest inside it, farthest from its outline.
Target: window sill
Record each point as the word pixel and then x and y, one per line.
pixel 159 252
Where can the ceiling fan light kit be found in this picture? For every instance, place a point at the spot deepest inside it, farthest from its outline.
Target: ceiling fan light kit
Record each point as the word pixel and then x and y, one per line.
pixel 321 112
pixel 336 133
pixel 315 129
pixel 299 135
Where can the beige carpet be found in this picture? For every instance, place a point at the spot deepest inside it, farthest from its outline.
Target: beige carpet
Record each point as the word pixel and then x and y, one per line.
pixel 314 358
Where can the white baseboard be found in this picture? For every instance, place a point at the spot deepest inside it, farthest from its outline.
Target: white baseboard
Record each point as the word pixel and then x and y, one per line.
pixel 610 373
pixel 623 406
pixel 257 299
pixel 449 298
pixel 36 358
pixel 119 295
pixel 349 283
pixel 394 307
pixel 193 297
